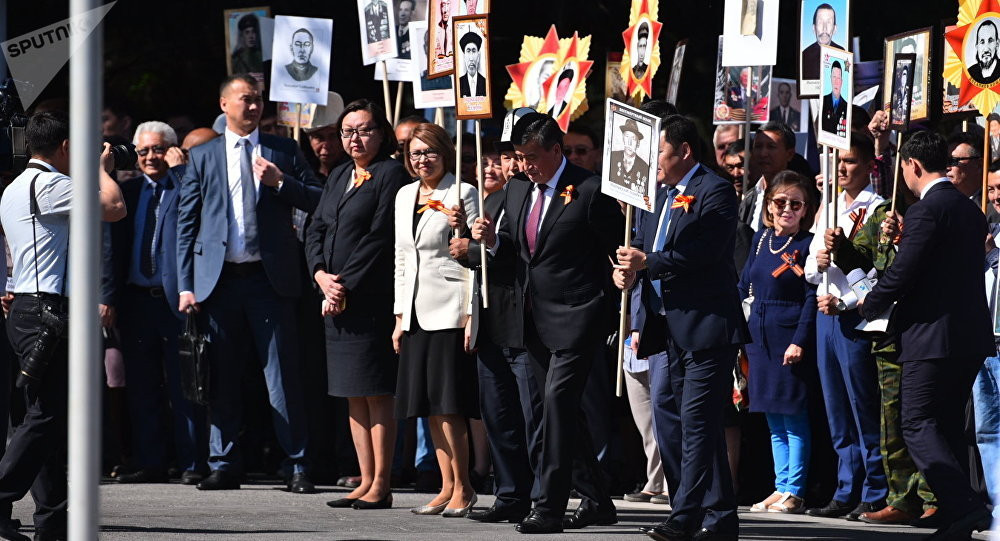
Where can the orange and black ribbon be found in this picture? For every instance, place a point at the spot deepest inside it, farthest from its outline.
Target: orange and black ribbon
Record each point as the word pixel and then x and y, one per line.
pixel 858 216
pixel 568 194
pixel 360 178
pixel 789 262
pixel 434 204
pixel 683 202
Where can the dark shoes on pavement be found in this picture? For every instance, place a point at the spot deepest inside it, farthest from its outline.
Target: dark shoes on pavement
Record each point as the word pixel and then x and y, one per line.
pixel 300 484
pixel 666 531
pixel 865 507
pixel 384 503
pixel 537 523
pixel 963 527
pixel 145 475
pixel 499 514
pixel 220 480
pixel 8 531
pixel 834 509
pixel 587 516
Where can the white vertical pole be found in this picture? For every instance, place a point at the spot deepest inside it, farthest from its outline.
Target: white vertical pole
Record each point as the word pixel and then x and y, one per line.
pixel 85 85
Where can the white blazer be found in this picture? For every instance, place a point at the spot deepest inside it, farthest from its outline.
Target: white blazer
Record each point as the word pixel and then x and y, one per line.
pixel 426 276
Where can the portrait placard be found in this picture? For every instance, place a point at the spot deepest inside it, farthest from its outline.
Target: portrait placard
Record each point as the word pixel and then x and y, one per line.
pixel 287 114
pixel 614 85
pixel 787 108
pixel 300 71
pixel 473 7
pixel 427 93
pixel 398 69
pixel 836 85
pixel 641 57
pixel 734 98
pixel 674 82
pixel 441 58
pixel 246 32
pixel 631 146
pixel 378 30
pixel 750 33
pixel 917 42
pixel 821 22
pixel 901 96
pixel 472 61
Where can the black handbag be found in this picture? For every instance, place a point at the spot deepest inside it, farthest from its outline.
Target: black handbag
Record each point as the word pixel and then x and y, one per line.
pixel 194 362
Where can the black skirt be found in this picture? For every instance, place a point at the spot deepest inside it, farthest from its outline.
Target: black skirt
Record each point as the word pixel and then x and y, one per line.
pixel 436 376
pixel 360 360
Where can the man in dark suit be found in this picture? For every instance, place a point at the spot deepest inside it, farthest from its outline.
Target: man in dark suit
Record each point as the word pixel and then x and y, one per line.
pixel 824 27
pixel 943 323
pixel 834 104
pixel 784 112
pixel 686 249
pixel 237 255
pixel 144 255
pixel 558 231
pixel 627 168
pixel 472 83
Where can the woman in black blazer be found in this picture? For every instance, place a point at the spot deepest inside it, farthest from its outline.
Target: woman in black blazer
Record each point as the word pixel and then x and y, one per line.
pixel 349 248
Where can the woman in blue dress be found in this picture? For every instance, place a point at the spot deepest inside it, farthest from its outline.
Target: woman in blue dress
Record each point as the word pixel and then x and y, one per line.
pixel 782 322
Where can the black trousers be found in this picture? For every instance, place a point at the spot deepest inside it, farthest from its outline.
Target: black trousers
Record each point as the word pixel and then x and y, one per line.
pixel 36 456
pixel 562 442
pixel 934 394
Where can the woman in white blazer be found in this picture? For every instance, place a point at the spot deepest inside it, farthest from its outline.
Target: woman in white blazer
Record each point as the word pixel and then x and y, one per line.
pixel 437 379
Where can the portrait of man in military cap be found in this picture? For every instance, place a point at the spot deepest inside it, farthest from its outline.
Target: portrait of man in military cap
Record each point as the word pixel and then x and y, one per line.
pixel 628 169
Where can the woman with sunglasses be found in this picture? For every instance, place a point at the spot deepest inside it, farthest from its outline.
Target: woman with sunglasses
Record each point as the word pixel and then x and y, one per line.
pixel 782 324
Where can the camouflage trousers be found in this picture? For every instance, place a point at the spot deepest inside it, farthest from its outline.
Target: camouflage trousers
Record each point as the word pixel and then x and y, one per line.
pixel 908 490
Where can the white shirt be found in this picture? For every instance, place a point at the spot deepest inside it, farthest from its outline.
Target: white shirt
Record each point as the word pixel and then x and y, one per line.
pixel 758 206
pixel 665 211
pixel 839 287
pixel 54 192
pixel 931 184
pixel 236 251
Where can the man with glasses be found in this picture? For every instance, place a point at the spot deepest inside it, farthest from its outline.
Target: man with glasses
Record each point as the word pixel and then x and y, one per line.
pixel 581 148
pixel 965 166
pixel 301 68
pixel 238 263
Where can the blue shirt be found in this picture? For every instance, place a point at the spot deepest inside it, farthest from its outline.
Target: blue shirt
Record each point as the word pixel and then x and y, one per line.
pixel 135 276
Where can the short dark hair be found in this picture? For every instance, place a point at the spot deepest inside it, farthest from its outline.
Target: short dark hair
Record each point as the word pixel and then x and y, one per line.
pixel 247 21
pixel 537 128
pixel 389 143
pixel 411 119
pixel 928 147
pixel 660 108
pixel 863 146
pixel 994 166
pixel 907 41
pixel 992 117
pixel 966 138
pixel 580 129
pixel 787 135
pixel 306 30
pixel 245 77
pixel 677 130
pixel 983 24
pixel 790 179
pixel 46 132
pixel 825 6
pixel 836 64
pixel 735 148
pixel 781 84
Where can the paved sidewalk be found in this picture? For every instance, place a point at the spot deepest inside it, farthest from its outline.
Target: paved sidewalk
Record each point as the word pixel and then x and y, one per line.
pixel 263 512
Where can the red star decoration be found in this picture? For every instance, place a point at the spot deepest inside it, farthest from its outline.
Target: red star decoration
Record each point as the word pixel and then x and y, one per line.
pixel 551 46
pixel 646 83
pixel 563 118
pixel 956 37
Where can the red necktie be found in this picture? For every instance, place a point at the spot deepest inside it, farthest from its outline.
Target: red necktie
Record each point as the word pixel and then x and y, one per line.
pixel 535 218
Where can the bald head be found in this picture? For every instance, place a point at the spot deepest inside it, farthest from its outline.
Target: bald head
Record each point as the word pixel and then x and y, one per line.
pixel 197 137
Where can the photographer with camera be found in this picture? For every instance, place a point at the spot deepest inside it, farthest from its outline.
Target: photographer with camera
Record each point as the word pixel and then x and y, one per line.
pixel 35 211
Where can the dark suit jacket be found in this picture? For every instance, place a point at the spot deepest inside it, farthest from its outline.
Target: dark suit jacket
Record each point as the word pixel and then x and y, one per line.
pixel 493 324
pixel 794 116
pixel 747 205
pixel 463 86
pixel 937 279
pixel 202 209
pixel 832 117
pixel 976 74
pixel 568 275
pixel 695 268
pixel 810 60
pixel 123 235
pixel 351 234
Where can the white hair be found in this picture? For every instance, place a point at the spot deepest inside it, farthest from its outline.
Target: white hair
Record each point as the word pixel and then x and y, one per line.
pixel 154 126
pixel 720 129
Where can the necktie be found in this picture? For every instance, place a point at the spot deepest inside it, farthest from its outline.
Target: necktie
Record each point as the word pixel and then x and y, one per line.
pixel 249 199
pixel 147 258
pixel 661 234
pixel 535 218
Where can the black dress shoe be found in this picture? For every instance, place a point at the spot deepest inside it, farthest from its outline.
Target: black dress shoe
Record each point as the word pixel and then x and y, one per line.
pixel 536 522
pixel 705 534
pixel 341 503
pixel 666 531
pixel 384 503
pixel 964 526
pixel 219 480
pixel 865 507
pixel 191 477
pixel 585 516
pixel 145 475
pixel 300 484
pixel 507 513
pixel 834 509
pixel 8 532
pixel 49 536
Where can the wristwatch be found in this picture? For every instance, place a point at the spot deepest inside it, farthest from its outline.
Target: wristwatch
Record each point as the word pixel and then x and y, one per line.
pixel 841 305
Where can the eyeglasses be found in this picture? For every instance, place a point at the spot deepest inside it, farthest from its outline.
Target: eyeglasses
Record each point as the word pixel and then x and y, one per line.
pixel 159 151
pixel 957 161
pixel 429 153
pixel 347 133
pixel 794 204
pixel 579 150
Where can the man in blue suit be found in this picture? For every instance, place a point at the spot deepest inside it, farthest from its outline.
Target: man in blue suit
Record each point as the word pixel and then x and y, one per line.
pixel 144 248
pixel 693 308
pixel 237 254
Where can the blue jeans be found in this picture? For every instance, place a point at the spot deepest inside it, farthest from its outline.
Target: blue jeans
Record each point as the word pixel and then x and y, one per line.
pixel 791 439
pixel 986 401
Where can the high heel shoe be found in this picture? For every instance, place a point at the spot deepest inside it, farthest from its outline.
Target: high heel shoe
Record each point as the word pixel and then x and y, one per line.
pixel 384 503
pixel 458 513
pixel 342 502
pixel 430 509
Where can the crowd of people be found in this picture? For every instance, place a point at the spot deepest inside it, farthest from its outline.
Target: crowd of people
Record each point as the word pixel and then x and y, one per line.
pixel 351 267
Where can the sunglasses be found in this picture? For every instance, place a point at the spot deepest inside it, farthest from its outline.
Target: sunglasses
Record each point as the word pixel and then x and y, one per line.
pixel 958 161
pixel 155 150
pixel 793 204
pixel 579 150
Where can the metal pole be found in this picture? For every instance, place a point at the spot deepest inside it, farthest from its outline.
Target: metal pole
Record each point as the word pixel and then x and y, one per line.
pixel 85 86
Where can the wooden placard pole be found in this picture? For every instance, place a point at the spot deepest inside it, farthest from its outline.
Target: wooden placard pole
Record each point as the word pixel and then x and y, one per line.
pixel 385 92
pixel 835 192
pixel 623 314
pixel 824 167
pixel 481 185
pixel 399 103
pixel 458 167
pixel 895 172
pixel 439 116
pixel 747 128
pixel 986 164
pixel 298 122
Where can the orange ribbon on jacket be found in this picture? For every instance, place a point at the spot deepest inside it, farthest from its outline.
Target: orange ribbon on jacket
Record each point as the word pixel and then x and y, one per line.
pixel 789 263
pixel 360 178
pixel 858 216
pixel 434 204
pixel 683 202
pixel 568 194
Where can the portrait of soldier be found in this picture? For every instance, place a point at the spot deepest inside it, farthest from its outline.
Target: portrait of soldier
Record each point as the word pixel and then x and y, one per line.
pixel 404 12
pixel 627 168
pixel 834 104
pixel 301 68
pixel 246 56
pixel 377 21
pixel 639 65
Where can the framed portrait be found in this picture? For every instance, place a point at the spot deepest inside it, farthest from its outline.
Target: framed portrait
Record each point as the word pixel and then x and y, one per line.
pixel 472 67
pixel 427 93
pixel 674 82
pixel 614 85
pixel 300 71
pixel 245 39
pixel 821 23
pixel 917 42
pixel 473 7
pixel 741 90
pixel 398 68
pixel 441 59
pixel 787 108
pixel 980 52
pixel 901 90
pixel 378 30
pixel 631 145
pixel 836 86
pixel 750 33
pixel 950 92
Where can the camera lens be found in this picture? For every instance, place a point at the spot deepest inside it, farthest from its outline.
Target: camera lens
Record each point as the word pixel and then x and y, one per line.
pixel 124 155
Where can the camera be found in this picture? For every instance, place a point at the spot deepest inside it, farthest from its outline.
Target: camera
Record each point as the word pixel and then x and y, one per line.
pixel 13 146
pixel 123 152
pixel 53 329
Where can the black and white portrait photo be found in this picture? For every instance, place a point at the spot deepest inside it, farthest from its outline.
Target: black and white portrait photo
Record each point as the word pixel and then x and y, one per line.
pixel 378 30
pixel 472 67
pixel 300 72
pixel 640 60
pixel 902 91
pixel 631 145
pixel 301 67
pixel 981 52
